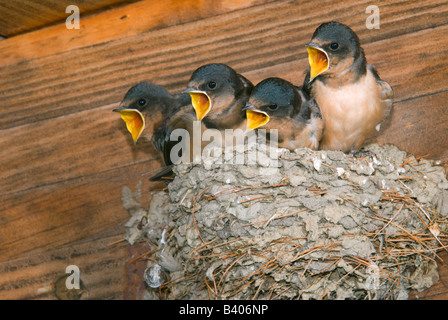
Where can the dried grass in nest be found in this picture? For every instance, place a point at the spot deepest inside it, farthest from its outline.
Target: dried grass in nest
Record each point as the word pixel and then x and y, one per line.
pixel 374 249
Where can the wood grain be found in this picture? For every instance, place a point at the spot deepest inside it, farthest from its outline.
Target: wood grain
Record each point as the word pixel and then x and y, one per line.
pixel 47 217
pixel 131 20
pixel 18 16
pixel 425 136
pixel 101 266
pixel 65 156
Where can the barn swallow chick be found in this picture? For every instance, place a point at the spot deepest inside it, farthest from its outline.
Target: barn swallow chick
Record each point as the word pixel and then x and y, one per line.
pixel 218 95
pixel 150 111
pixel 350 94
pixel 146 106
pixel 278 104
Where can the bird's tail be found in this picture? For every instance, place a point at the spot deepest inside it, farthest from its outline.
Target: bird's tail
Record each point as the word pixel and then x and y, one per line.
pixel 163 175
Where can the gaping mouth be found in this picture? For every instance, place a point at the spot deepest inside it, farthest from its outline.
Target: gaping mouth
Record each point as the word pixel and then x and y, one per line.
pixel 256 119
pixel 318 59
pixel 201 103
pixel 135 122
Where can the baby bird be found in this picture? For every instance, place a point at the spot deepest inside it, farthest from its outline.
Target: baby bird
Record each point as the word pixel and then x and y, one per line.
pixel 218 95
pixel 146 106
pixel 350 94
pixel 278 104
pixel 150 111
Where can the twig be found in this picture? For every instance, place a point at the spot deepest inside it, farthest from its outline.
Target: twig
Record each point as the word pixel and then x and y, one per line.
pixel 242 288
pixel 144 255
pixel 192 213
pixel 409 161
pixel 116 242
pixel 258 290
pixel 203 245
pixel 279 217
pixel 256 198
pixel 287 288
pixel 228 268
pixel 396 213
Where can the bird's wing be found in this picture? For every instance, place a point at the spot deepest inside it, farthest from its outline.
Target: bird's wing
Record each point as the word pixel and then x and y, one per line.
pixel 309 108
pixel 162 175
pixel 164 143
pixel 161 141
pixel 386 93
pixel 307 85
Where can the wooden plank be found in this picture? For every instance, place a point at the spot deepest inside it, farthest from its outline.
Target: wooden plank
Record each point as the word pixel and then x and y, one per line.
pixel 127 21
pixel 420 126
pixel 17 16
pixel 40 219
pixel 101 269
pixel 65 186
pixel 64 148
pixel 147 15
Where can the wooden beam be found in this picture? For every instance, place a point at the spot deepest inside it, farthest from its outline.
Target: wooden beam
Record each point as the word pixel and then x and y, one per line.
pixel 101 269
pixel 52 183
pixel 61 149
pixel 41 219
pixel 418 129
pixel 127 21
pixel 17 16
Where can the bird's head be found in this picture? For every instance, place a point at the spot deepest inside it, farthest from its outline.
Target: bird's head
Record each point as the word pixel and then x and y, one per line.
pixel 271 99
pixel 142 108
pixel 214 87
pixel 333 48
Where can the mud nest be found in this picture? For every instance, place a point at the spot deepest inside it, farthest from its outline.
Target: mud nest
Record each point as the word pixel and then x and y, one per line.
pixel 295 225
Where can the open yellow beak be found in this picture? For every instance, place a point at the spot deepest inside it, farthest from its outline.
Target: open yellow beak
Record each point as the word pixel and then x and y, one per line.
pixel 135 122
pixel 319 61
pixel 256 119
pixel 201 103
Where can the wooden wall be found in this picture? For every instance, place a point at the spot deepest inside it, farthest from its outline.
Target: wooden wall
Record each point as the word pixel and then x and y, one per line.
pixel 65 156
pixel 19 16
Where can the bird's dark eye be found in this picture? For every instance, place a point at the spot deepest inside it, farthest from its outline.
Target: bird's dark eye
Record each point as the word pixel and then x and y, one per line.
pixel 334 46
pixel 273 106
pixel 142 102
pixel 212 85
